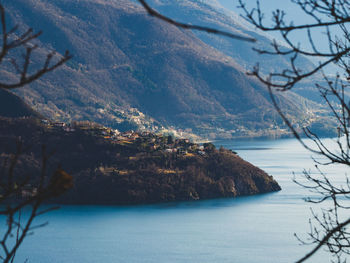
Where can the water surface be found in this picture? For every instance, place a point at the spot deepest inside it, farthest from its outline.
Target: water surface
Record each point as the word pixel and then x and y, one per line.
pixel 248 229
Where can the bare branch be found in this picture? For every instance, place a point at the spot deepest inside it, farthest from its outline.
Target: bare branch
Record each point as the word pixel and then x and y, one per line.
pixel 156 14
pixel 16 190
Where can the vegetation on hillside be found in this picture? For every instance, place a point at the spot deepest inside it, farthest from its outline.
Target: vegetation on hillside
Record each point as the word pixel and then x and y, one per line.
pixel 129 68
pixel 109 167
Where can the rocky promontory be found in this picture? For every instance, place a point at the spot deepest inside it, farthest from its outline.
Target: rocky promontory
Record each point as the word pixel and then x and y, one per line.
pixel 115 168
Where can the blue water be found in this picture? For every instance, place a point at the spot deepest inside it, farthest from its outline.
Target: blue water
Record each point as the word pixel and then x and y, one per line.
pixel 248 229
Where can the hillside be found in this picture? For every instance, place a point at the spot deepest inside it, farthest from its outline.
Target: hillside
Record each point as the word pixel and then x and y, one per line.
pixel 128 168
pixel 212 14
pixel 131 71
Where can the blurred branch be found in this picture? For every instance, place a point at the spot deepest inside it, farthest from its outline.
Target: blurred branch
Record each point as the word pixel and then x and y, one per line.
pixel 18 191
pixel 154 13
pixel 326 230
pixel 11 41
pixel 336 13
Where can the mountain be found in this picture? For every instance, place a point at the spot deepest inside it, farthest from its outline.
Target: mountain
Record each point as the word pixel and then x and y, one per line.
pixel 211 14
pixel 132 71
pixel 109 167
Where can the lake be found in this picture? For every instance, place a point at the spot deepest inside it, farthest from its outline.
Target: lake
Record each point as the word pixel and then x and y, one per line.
pixel 246 229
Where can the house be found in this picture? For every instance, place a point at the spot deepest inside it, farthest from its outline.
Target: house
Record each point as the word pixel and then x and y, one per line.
pixel 59 124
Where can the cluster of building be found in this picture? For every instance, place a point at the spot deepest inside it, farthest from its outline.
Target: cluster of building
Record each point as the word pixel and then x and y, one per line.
pixel 169 144
pixel 146 140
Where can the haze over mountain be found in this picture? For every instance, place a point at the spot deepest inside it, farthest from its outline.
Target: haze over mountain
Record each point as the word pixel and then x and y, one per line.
pixel 130 70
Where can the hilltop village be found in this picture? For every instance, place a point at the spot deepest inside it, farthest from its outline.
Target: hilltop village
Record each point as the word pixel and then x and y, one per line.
pixel 144 140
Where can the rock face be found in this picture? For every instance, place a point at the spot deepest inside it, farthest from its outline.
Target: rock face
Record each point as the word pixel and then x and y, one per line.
pixel 130 168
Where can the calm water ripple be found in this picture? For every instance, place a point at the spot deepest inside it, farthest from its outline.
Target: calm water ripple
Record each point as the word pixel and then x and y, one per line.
pixel 255 229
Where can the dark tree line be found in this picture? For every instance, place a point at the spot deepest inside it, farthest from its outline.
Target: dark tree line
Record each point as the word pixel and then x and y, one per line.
pixel 330 229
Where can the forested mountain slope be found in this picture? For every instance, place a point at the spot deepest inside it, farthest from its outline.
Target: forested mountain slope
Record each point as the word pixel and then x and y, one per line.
pixel 130 70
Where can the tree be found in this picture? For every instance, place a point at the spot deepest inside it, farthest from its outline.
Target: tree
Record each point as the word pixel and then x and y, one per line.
pixel 209 147
pixel 328 230
pixel 18 191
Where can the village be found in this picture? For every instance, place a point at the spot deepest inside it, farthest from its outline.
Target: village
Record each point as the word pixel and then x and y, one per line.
pixel 147 141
